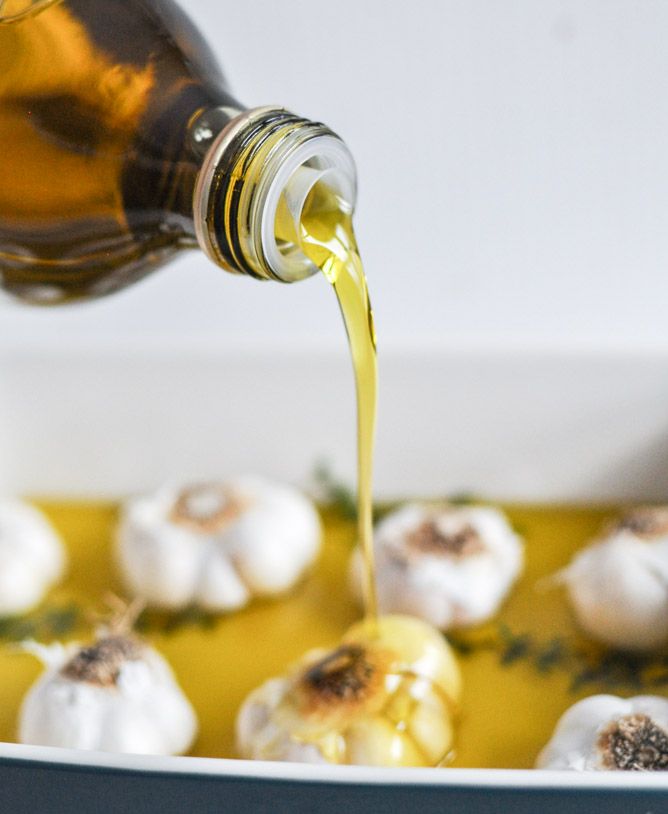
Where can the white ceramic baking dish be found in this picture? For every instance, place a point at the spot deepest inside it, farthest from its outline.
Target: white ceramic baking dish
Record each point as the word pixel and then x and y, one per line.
pixel 548 426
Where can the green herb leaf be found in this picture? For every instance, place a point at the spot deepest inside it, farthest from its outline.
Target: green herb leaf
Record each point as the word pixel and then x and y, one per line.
pixel 514 647
pixel 44 624
pixel 551 655
pixel 463 498
pixel 167 623
pixel 602 670
pixel 335 494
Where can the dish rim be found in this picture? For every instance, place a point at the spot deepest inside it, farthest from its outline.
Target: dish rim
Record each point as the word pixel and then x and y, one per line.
pixel 537 779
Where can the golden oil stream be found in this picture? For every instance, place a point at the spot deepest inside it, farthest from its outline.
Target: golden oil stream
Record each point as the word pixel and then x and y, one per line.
pixel 329 241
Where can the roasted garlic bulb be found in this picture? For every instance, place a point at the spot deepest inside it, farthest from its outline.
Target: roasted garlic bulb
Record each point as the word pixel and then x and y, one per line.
pixel 216 545
pixel 449 565
pixel 386 696
pixel 618 585
pixel 607 733
pixel 32 557
pixel 116 695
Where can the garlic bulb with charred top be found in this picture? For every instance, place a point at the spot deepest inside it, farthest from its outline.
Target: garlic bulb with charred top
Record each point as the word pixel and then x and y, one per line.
pixel 117 695
pixel 385 697
pixel 607 733
pixel 449 565
pixel 32 557
pixel 217 545
pixel 618 586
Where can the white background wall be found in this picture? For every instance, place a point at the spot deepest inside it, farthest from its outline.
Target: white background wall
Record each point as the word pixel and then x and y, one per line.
pixel 513 161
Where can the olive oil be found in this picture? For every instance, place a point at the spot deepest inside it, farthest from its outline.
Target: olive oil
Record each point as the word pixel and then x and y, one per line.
pixel 329 240
pixel 510 705
pixel 120 145
pixel 96 168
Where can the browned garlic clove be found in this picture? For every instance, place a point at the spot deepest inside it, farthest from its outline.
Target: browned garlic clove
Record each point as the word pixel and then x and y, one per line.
pixel 116 694
pixel 618 585
pixel 216 545
pixel 32 557
pixel 386 696
pixel 449 565
pixel 607 733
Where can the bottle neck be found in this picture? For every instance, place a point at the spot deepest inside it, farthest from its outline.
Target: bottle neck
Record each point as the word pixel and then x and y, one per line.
pixel 255 177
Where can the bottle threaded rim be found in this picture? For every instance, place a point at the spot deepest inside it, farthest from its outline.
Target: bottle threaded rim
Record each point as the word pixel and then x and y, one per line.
pixel 243 175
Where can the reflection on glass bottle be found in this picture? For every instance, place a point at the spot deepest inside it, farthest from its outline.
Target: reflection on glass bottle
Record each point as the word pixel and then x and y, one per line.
pixel 109 111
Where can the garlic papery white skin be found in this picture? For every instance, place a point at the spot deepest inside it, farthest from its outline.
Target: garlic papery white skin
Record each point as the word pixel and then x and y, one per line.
pixel 607 733
pixel 32 557
pixel 386 696
pixel 449 565
pixel 618 586
pixel 117 695
pixel 217 545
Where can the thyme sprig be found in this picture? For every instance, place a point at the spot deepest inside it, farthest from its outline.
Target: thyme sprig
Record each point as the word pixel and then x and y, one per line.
pixel 588 667
pixel 334 493
pixel 151 621
pixel 51 622
pixel 44 624
pixel 341 497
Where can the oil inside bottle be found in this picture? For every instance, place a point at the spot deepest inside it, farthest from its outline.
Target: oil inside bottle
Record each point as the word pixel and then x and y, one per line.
pixel 96 180
pixel 328 239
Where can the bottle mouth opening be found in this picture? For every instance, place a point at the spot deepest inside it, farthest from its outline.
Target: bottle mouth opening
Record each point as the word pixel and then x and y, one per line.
pixel 254 182
pixel 322 159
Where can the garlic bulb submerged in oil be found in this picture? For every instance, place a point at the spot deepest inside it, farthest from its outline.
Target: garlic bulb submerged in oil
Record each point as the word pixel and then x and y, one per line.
pixel 385 697
pixel 217 545
pixel 618 585
pixel 117 695
pixel 607 733
pixel 32 557
pixel 451 566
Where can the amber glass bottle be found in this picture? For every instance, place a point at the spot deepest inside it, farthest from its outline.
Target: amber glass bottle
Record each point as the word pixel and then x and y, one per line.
pixel 120 144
